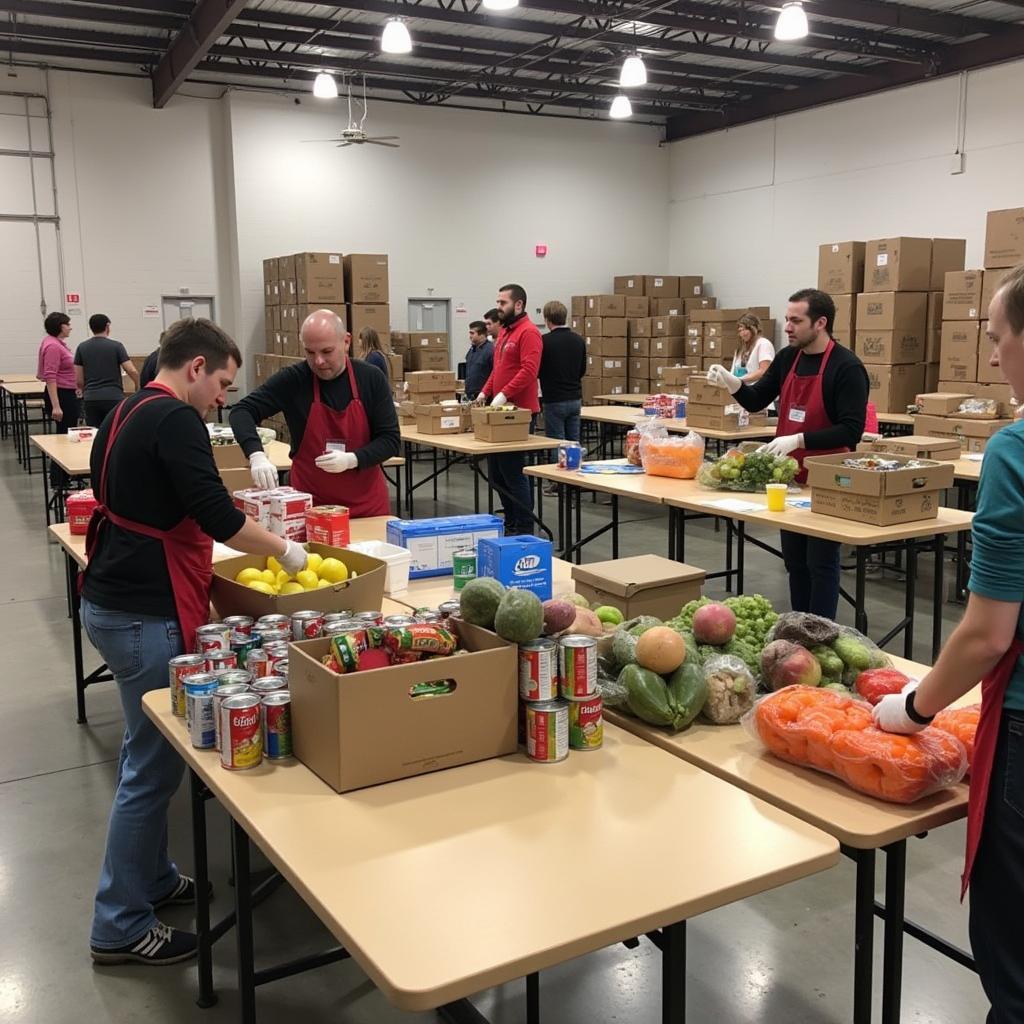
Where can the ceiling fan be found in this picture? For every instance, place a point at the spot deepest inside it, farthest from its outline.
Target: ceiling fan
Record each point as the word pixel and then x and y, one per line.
pixel 354 134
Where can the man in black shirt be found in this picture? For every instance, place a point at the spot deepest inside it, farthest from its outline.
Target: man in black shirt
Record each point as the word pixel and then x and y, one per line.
pixel 341 417
pixel 146 590
pixel 479 359
pixel 99 361
pixel 562 366
pixel 823 394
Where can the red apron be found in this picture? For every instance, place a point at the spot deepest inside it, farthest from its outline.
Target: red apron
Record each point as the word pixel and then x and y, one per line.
pixel 993 690
pixel 802 408
pixel 364 491
pixel 187 550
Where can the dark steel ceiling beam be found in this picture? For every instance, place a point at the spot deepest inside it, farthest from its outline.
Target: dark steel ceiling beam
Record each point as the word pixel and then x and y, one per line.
pixel 86 37
pixel 895 15
pixel 91 12
pixel 207 24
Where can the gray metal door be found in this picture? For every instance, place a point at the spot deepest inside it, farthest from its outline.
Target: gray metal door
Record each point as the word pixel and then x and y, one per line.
pixel 429 315
pixel 176 307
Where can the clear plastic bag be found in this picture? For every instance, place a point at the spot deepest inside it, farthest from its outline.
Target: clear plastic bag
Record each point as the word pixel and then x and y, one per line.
pixel 613 693
pixel 746 468
pixel 961 723
pixel 646 428
pixel 731 689
pixel 835 734
pixel 672 456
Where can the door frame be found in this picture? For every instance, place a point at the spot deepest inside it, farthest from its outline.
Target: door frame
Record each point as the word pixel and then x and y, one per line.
pixel 212 299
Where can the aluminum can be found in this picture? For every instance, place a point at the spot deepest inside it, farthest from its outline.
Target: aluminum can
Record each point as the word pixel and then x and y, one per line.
pixel 463 567
pixel 586 722
pixel 239 623
pixel 538 670
pixel 369 618
pixel 240 729
pixel 274 620
pixel 547 731
pixel 243 644
pixel 178 670
pixel 258 663
pixel 212 636
pixel 277 725
pixel 220 659
pixel 199 709
pixel 397 621
pixel 306 625
pixel 449 609
pixel 268 684
pixel 222 692
pixel 577 665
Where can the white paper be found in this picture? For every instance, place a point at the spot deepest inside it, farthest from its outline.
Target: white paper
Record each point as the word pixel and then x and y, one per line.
pixel 736 505
pixel 658 282
pixel 150 312
pixel 333 259
pixel 882 259
pixel 973 457
pixel 835 248
pixel 798 502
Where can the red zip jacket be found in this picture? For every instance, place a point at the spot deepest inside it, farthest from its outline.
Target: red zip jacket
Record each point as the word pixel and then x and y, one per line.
pixel 516 365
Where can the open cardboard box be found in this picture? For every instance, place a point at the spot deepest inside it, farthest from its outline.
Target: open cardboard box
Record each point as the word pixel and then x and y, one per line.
pixel 362 594
pixel 501 424
pixel 365 728
pixel 870 496
pixel 641 585
pixel 915 446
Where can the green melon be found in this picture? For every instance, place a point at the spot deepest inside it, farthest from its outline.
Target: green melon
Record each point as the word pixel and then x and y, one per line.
pixel 520 616
pixel 479 600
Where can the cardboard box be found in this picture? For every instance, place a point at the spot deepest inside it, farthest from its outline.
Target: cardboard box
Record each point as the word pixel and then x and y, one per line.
pixel 578 306
pixel 659 364
pixel 290 318
pixel 638 347
pixel 639 369
pixel 661 285
pixel 892 311
pixel 948 254
pixel 694 331
pixel 615 386
pixel 1004 238
pixel 592 325
pixel 606 305
pixel 933 317
pixel 898 265
pixel 629 284
pixel 319 277
pixel 638 386
pixel 638 327
pixel 712 316
pixel 676 376
pixel 272 317
pixel 693 348
pixel 426 359
pixel 869 496
pixel 616 348
pixel 269 276
pixel 933 347
pixel 962 296
pixel 613 327
pixel 931 376
pixel 640 585
pixel 520 562
pixel 592 387
pixel 704 393
pixel 726 330
pixel 674 348
pixel 440 419
pixel 893 388
pixel 419 340
pixel 637 306
pixel 362 728
pixel 990 285
pixel 613 368
pixel 958 350
pixel 692 285
pixel 914 446
pixel 396 365
pixel 577 323
pixel 503 425
pixel 366 277
pixel 699 302
pixel 890 347
pixel 674 306
pixel 717 347
pixel 841 267
pixel 430 381
pixel 710 417
pixel 364 314
pixel 844 326
pixel 972 434
pixel 431 542
pixel 940 403
pixel 364 593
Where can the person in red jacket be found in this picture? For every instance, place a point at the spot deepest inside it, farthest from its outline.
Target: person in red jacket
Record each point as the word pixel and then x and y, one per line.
pixel 513 381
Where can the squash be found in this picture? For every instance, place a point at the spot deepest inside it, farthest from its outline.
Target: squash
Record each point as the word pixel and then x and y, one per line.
pixel 687 692
pixel 647 695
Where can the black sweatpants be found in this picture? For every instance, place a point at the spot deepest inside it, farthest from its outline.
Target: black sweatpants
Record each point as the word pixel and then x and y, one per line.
pixel 813 567
pixel 71 407
pixel 97 412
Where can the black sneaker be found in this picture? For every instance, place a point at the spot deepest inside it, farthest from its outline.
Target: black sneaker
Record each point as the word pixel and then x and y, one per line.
pixel 183 894
pixel 161 945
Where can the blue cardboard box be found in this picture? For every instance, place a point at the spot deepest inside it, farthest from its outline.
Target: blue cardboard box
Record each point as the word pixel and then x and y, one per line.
pixel 523 562
pixel 430 542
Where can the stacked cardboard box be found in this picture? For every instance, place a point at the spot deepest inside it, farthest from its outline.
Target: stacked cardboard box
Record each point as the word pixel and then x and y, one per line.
pixel 713 334
pixel 366 288
pixel 941 415
pixel 422 350
pixel 841 274
pixel 711 407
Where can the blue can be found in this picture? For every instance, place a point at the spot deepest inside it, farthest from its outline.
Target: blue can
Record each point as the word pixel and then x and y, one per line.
pixel 570 455
pixel 680 408
pixel 199 710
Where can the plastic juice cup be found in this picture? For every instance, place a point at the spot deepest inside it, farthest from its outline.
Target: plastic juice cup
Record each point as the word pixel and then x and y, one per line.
pixel 776 497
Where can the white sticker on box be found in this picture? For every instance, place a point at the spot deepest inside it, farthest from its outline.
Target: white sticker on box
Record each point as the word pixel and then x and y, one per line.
pixel 424 342
pixel 447 422
pixel 629 282
pixel 333 259
pixel 972 314
pixel 882 259
pixel 447 543
pixel 835 248
pixel 658 282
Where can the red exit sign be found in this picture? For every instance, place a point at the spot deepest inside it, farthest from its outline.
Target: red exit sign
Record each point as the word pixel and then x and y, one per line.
pixel 72 298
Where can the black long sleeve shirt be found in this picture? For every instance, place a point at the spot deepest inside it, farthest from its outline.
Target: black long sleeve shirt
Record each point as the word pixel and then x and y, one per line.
pixel 161 469
pixel 844 390
pixel 563 363
pixel 290 391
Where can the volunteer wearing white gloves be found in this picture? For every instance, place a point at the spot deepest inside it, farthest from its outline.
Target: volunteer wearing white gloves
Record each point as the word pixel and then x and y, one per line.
pixel 987 645
pixel 822 392
pixel 341 418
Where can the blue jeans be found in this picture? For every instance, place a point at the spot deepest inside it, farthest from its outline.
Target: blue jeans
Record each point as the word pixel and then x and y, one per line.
pixel 562 420
pixel 506 473
pixel 813 567
pixel 136 870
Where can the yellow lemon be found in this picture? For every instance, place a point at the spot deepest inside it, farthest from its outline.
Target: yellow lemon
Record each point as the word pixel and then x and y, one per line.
pixel 273 565
pixel 307 578
pixel 291 587
pixel 333 570
pixel 246 576
pixel 282 578
pixel 268 577
pixel 261 586
pixel 314 561
pixel 323 583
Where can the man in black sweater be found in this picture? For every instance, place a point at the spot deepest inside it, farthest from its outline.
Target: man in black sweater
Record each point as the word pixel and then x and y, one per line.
pixel 823 394
pixel 341 418
pixel 562 366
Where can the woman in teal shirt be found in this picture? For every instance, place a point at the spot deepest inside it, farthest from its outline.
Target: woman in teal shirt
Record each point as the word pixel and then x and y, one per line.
pixel 987 645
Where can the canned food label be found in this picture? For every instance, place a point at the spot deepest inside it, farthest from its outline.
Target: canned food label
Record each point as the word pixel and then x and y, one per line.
pixel 241 736
pixel 538 677
pixel 578 670
pixel 277 730
pixel 586 724
pixel 547 732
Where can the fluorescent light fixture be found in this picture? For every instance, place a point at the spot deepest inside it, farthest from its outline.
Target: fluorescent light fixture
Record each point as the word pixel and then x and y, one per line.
pixel 621 107
pixel 634 72
pixel 325 88
pixel 500 5
pixel 395 37
pixel 792 23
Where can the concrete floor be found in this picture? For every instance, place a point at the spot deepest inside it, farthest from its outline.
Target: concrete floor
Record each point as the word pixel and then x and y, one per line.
pixel 783 956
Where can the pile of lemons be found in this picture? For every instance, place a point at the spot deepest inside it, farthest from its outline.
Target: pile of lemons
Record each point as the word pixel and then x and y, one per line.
pixel 319 573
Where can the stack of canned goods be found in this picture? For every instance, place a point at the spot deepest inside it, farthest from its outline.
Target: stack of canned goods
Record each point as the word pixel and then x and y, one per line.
pixel 560 708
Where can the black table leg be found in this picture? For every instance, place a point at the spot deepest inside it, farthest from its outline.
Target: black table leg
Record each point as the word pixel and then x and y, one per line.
pixel 863 935
pixel 434 453
pixel 937 594
pixel 204 963
pixel 728 556
pixel 579 523
pixel 741 536
pixel 615 526
pixel 46 489
pixel 533 998
pixel 860 615
pixel 407 469
pixel 76 637
pixel 476 489
pixel 892 952
pixel 671 533
pixel 910 584
pixel 243 923
pixel 673 973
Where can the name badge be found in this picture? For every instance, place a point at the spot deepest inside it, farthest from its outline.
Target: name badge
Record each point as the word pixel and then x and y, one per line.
pixel 339 446
pixel 797 415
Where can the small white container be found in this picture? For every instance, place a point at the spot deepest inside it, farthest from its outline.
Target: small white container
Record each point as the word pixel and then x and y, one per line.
pixel 398 560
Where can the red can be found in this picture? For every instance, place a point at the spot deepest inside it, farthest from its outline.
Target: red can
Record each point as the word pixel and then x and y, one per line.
pixel 241 732
pixel 212 636
pixel 258 663
pixel 277 725
pixel 577 665
pixel 586 723
pixel 306 625
pixel 239 623
pixel 538 670
pixel 220 659
pixel 274 620
pixel 547 731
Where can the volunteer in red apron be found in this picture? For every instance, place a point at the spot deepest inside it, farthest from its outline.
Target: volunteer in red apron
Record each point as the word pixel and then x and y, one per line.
pixel 987 644
pixel 822 390
pixel 341 419
pixel 145 591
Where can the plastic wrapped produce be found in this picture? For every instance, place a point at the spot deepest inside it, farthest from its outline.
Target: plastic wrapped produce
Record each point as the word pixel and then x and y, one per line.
pixel 818 728
pixel 740 470
pixel 731 689
pixel 961 723
pixel 676 457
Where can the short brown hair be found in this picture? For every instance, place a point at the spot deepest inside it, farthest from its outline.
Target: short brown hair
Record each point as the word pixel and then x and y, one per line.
pixel 369 339
pixel 189 337
pixel 555 312
pixel 1011 288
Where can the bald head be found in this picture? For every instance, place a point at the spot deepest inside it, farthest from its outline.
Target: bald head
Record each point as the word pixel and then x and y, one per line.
pixel 325 343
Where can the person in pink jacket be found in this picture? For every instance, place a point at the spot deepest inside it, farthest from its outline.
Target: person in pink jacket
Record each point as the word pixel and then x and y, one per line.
pixel 513 381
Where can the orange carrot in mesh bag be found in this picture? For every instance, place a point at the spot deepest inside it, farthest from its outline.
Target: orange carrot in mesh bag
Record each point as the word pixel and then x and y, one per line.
pixel 961 723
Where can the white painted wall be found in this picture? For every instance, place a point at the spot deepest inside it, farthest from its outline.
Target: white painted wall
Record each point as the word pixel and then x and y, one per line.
pixel 750 206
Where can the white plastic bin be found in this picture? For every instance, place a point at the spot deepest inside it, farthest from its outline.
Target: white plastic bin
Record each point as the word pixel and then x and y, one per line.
pixel 398 562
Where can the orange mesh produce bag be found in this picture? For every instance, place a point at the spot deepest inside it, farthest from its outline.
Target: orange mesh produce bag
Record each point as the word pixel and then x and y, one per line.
pixel 961 723
pixel 822 729
pixel 678 457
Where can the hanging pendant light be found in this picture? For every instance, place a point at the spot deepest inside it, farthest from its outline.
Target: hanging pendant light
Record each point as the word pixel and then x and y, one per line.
pixel 621 108
pixel 325 88
pixel 395 37
pixel 634 72
pixel 792 23
pixel 500 5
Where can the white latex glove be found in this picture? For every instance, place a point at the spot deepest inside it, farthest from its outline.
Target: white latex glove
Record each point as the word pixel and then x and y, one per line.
pixel 336 462
pixel 480 399
pixel 499 399
pixel 890 713
pixel 783 445
pixel 264 475
pixel 722 378
pixel 294 558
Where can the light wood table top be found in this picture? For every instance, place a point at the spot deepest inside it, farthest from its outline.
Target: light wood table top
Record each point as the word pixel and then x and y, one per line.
pixel 447 884
pixel 621 399
pixel 467 444
pixel 901 419
pixel 624 417
pixel 30 388
pixel 18 378
pixel 967 469
pixel 862 822
pixel 654 490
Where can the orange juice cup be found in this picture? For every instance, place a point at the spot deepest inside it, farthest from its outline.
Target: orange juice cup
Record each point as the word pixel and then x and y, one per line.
pixel 776 496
